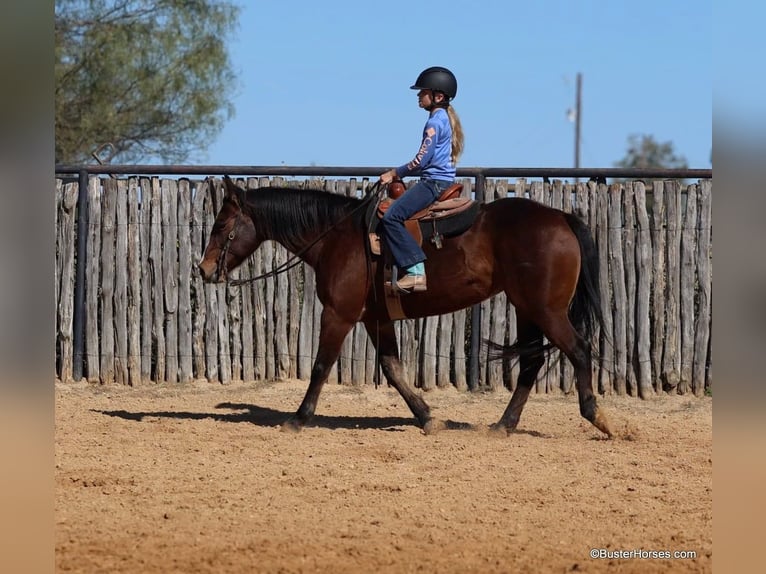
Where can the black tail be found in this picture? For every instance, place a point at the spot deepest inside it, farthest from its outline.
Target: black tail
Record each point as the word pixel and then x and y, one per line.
pixel 585 311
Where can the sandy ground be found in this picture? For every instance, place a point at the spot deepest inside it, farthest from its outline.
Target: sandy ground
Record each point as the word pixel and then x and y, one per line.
pixel 199 478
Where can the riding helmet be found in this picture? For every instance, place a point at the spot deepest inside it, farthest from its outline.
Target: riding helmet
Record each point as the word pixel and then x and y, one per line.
pixel 438 79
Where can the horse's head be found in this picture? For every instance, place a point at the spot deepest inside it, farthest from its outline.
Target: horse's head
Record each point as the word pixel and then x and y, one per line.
pixel 232 239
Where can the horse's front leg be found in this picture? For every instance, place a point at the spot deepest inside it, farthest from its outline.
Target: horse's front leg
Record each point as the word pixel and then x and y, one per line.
pixel 383 337
pixel 332 332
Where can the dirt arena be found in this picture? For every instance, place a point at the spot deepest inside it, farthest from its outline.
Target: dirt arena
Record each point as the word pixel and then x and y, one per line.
pixel 199 478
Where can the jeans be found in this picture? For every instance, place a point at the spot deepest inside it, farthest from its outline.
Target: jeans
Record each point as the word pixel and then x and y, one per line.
pixel 404 248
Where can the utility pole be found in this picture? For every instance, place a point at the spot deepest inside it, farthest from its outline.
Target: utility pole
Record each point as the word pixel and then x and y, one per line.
pixel 578 115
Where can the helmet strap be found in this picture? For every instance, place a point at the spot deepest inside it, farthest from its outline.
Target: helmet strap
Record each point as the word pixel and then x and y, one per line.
pixel 443 104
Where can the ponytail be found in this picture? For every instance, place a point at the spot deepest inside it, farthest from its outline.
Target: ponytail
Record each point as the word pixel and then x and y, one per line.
pixel 457 134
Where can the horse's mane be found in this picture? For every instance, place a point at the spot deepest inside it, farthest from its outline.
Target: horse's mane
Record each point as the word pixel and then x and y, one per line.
pixel 293 216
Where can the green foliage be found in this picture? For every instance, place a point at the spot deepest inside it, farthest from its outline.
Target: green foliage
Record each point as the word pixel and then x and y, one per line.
pixel 151 78
pixel 645 152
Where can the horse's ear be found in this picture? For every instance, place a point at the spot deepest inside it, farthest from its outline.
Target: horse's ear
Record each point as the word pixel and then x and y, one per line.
pixel 233 191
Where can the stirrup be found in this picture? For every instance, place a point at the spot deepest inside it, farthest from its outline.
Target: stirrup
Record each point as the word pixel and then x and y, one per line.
pixel 419 284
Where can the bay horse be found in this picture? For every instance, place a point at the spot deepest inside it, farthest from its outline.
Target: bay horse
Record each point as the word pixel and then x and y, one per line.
pixel 542 258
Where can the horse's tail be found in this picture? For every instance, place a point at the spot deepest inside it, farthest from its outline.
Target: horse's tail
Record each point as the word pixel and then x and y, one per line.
pixel 585 310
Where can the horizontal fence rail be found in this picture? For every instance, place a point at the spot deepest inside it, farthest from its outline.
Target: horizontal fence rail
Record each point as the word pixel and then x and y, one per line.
pixel 146 316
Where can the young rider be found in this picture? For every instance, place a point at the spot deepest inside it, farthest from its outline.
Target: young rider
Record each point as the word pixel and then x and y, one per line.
pixel 435 162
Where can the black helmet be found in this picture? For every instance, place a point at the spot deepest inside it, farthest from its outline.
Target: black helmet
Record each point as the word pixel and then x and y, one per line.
pixel 437 78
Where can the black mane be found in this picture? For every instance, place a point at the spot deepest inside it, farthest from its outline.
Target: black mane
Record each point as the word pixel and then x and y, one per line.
pixel 294 216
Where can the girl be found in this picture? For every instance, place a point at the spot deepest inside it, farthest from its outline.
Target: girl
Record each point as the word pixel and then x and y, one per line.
pixel 435 163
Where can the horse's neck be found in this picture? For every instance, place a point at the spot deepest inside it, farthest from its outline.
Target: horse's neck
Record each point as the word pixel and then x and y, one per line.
pixel 301 233
pixel 306 252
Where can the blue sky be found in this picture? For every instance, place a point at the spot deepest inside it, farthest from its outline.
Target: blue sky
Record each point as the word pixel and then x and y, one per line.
pixel 326 83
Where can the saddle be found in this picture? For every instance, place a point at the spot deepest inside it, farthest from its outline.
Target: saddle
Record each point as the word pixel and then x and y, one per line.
pixel 448 216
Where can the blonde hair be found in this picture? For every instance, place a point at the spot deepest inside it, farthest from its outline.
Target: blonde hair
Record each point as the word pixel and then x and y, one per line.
pixel 457 134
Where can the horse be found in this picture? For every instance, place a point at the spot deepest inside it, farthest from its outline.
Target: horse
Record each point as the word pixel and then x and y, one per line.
pixel 543 258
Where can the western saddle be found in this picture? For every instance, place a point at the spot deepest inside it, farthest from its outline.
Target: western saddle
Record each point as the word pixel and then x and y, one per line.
pixel 449 203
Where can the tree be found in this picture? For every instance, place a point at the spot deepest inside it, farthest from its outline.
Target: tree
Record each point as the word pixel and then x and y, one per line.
pixel 140 79
pixel 645 152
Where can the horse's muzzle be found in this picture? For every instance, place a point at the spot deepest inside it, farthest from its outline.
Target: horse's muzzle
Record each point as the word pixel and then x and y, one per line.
pixel 208 271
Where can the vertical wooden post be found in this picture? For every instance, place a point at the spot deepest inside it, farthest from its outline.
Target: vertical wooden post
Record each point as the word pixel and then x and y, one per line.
pixel 78 319
pixel 473 356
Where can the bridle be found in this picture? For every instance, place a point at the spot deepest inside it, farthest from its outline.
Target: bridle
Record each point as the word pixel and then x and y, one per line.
pixel 220 267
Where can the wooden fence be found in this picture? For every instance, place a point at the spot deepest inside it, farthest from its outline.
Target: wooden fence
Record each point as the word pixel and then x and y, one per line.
pixel 150 318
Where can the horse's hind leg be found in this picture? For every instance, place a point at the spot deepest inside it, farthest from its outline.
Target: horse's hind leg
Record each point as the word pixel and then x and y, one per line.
pixel 332 332
pixel 531 360
pixel 383 337
pixel 561 333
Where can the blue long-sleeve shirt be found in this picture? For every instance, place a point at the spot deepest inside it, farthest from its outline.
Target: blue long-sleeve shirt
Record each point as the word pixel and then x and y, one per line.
pixel 434 158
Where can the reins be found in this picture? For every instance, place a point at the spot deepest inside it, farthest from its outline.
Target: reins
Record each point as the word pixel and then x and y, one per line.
pixel 373 192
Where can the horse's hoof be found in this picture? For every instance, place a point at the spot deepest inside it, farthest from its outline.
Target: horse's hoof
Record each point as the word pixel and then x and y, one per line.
pixel 601 422
pixel 433 426
pixel 499 430
pixel 291 425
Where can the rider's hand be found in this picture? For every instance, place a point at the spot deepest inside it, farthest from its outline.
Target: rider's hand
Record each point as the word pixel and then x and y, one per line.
pixel 388 176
